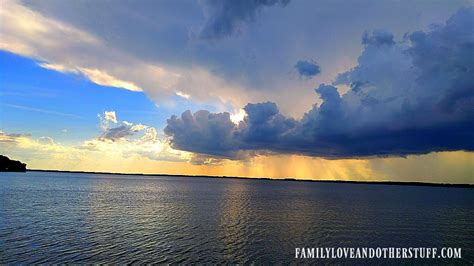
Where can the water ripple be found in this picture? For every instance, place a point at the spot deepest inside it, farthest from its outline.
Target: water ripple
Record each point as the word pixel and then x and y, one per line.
pixel 53 218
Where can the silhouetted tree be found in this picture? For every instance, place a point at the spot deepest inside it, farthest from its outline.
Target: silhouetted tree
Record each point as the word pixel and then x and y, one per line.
pixel 7 165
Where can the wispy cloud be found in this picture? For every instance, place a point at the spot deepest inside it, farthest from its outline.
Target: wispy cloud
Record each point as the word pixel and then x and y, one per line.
pixel 95 75
pixel 40 110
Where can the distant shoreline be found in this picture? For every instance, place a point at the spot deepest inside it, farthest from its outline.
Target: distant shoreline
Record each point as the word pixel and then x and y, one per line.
pixel 396 183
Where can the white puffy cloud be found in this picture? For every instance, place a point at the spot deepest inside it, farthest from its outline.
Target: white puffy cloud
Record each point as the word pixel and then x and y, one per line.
pixel 119 132
pixel 125 140
pixel 130 139
pixel 150 135
pixel 138 127
pixel 110 116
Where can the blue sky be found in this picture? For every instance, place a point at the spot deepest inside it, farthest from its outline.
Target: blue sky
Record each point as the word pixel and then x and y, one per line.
pixel 42 102
pixel 319 79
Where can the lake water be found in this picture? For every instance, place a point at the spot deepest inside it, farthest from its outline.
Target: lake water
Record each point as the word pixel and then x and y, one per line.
pixel 94 218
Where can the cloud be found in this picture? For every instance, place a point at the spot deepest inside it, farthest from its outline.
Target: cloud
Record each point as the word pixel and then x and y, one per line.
pixel 110 116
pixel 225 17
pixel 44 111
pixel 46 140
pixel 117 133
pixel 62 47
pixel 307 69
pixel 95 75
pixel 54 43
pixel 411 97
pixel 378 37
pixel 10 137
pixel 124 141
pixel 134 140
pixel 205 132
pixel 102 78
pixel 183 95
pixel 122 131
pixel 230 72
pixel 150 135
pixel 238 116
pixel 138 127
pixel 95 155
pixel 130 139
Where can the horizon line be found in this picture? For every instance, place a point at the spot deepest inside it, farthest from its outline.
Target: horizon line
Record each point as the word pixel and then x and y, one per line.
pixel 371 182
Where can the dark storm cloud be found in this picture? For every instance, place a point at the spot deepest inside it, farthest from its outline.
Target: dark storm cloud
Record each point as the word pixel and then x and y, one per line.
pixel 206 132
pixel 410 97
pixel 307 69
pixel 224 17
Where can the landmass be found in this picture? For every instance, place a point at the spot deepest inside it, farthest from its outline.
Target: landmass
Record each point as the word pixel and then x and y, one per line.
pixel 7 165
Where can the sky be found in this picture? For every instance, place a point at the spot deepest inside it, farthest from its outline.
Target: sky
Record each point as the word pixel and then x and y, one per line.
pixel 342 90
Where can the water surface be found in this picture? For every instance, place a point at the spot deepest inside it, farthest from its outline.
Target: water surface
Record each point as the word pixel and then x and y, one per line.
pixel 96 218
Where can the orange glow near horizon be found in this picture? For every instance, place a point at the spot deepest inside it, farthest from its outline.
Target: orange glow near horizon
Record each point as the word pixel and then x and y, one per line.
pixel 445 167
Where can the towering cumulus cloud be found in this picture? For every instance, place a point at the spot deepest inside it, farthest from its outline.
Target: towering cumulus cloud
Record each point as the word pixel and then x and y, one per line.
pixel 410 97
pixel 224 17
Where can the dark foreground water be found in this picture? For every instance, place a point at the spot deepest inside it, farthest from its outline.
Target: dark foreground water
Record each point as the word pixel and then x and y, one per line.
pixel 85 218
